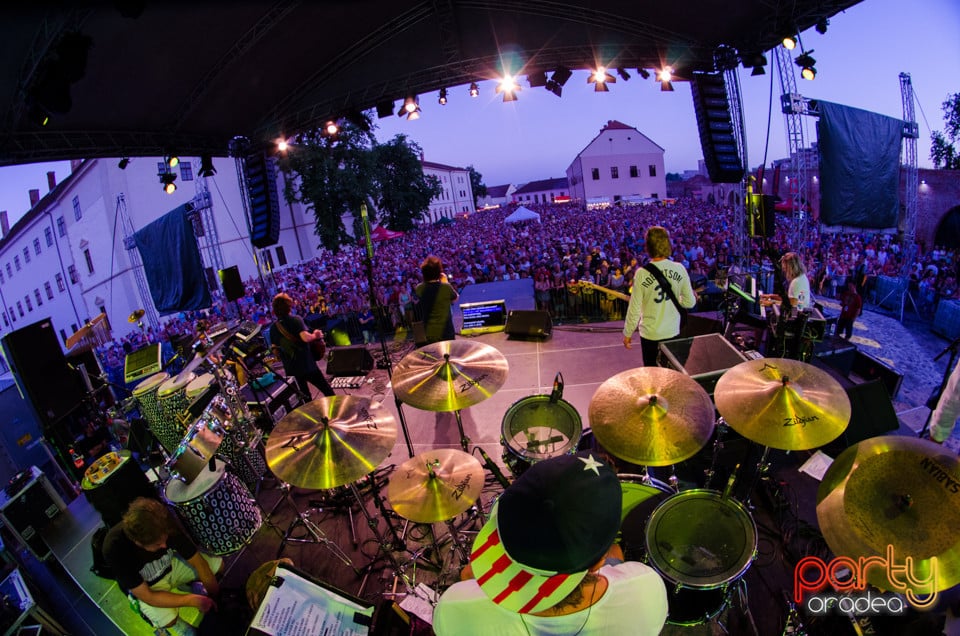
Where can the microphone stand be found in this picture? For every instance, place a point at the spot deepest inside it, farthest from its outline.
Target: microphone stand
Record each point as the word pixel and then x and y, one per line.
pixel 379 316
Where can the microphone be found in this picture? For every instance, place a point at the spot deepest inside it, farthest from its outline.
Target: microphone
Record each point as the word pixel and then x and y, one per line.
pixel 493 468
pixel 557 392
pixel 366 230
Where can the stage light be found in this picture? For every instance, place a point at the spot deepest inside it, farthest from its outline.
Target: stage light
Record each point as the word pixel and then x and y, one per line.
pixel 665 76
pixel 758 61
pixel 167 179
pixel 509 87
pixel 442 100
pixel 282 145
pixel 385 108
pixel 554 88
pixel 410 108
pixel 806 64
pixel 790 42
pixel 644 73
pixel 537 79
pixel 822 26
pixel 600 78
pixel 206 166
pixel 124 163
pixel 474 90
pixel 172 160
pixel 561 75
pixel 330 129
pixel 624 75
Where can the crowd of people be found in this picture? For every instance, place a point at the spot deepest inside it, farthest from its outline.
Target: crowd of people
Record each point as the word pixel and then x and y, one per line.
pixel 570 244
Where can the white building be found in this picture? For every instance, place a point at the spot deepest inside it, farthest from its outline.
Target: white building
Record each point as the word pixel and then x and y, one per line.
pixel 620 163
pixel 456 194
pixel 543 191
pixel 497 195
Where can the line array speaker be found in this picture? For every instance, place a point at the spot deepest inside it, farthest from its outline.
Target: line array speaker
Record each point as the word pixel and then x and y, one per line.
pixel 261 175
pixel 720 151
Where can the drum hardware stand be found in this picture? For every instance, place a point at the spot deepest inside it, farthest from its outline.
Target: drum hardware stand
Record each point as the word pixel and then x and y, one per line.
pixel 464 440
pixel 314 533
pixel 761 473
pixel 385 546
pixel 717 447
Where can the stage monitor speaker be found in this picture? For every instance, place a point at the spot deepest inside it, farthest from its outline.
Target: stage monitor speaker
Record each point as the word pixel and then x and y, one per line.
pixel 866 368
pixel 231 283
pixel 522 323
pixel 261 176
pixel 41 371
pixel 700 324
pixel 871 413
pixel 721 153
pixel 349 361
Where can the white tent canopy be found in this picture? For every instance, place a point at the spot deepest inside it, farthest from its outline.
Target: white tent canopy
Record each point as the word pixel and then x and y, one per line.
pixel 522 213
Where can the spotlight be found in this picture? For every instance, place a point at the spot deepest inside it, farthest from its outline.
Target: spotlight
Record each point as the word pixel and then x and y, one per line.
pixel 167 179
pixel 644 73
pixel 173 160
pixel 206 165
pixel 282 145
pixel 790 42
pixel 600 78
pixel 385 108
pixel 806 64
pixel 330 129
pixel 665 75
pixel 124 163
pixel 442 100
pixel 822 26
pixel 561 75
pixel 624 75
pixel 554 88
pixel 537 79
pixel 474 90
pixel 758 61
pixel 410 108
pixel 509 87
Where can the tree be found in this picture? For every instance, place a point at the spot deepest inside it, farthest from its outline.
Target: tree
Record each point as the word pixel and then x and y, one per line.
pixel 403 191
pixel 477 185
pixel 943 149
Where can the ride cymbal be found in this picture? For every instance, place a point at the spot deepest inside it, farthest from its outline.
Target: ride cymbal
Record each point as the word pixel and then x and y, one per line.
pixel 436 485
pixel 449 375
pixel 135 316
pixel 783 404
pixel 895 491
pixel 651 416
pixel 330 442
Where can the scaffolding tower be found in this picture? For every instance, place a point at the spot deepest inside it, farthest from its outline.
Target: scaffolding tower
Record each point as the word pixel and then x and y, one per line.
pixel 130 244
pixel 794 107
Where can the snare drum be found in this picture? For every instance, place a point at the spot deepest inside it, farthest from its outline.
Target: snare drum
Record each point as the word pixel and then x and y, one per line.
pixel 146 395
pixel 536 428
pixel 218 512
pixel 700 543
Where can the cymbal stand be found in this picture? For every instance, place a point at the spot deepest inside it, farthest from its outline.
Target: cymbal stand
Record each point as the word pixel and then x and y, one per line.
pixel 763 468
pixel 464 440
pixel 314 533
pixel 710 472
pixel 386 546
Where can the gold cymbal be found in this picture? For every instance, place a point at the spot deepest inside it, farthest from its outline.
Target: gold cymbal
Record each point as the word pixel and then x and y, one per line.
pixel 781 403
pixel 894 491
pixel 136 315
pixel 651 416
pixel 449 375
pixel 436 485
pixel 330 442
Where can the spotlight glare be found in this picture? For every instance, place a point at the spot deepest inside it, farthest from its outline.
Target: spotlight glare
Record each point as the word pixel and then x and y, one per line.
pixel 474 90
pixel 173 161
pixel 509 87
pixel 790 42
pixel 282 145
pixel 167 179
pixel 331 128
pixel 808 73
pixel 665 74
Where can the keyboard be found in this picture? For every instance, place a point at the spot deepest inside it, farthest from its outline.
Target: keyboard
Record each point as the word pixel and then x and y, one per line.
pixel 347 381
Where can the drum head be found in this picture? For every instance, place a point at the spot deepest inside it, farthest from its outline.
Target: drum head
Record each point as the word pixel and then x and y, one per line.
pixel 199 384
pixel 174 385
pixel 535 429
pixel 150 384
pixel 177 492
pixel 639 501
pixel 699 539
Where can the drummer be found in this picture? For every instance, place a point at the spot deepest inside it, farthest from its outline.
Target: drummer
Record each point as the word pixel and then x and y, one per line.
pixel 546 561
pixel 156 564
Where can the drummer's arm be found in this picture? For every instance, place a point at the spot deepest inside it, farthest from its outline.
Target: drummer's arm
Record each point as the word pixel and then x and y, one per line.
pixel 161 598
pixel 207 577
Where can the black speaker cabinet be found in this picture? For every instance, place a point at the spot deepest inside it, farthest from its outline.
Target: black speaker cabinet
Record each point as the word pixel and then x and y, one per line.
pixel 29 510
pixel 866 368
pixel 871 412
pixel 349 361
pixel 523 323
pixel 231 283
pixel 721 153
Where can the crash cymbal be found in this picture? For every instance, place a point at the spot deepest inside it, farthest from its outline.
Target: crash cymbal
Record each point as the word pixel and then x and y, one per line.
pixel 651 416
pixel 330 442
pixel 449 375
pixel 894 491
pixel 135 316
pixel 436 485
pixel 781 403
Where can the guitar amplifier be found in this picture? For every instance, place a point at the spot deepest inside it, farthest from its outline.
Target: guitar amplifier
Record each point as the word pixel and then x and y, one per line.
pixel 275 401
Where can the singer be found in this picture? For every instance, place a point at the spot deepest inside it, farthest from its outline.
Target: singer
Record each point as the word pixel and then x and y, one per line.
pixel 436 296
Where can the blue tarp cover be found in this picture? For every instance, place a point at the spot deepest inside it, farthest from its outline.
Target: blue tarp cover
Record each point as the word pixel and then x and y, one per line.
pixel 171 262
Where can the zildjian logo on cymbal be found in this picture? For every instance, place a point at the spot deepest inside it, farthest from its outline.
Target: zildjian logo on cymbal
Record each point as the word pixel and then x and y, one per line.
pixel 468 384
pixel 459 489
pixel 802 420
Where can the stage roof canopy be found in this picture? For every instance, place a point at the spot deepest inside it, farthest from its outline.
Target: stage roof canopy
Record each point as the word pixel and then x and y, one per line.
pixel 189 77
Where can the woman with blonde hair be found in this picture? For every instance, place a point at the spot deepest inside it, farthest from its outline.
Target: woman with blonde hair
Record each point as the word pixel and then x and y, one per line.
pixel 798 285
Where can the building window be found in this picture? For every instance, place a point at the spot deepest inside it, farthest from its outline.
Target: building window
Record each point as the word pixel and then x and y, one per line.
pixel 29 304
pixel 77 212
pixel 89 259
pixel 634 173
pixel 1 278
pixel 281 256
pixel 26 255
pixel 47 288
pixel 20 308
pixel 60 285
pixel 72 272
pixel 16 263
pixel 36 294
pixel 614 172
pixel 9 271
pixel 268 257
pixel 653 170
pixel 36 246
pixel 186 171
pixel 6 323
pixel 48 234
pixel 595 173
pixel 61 226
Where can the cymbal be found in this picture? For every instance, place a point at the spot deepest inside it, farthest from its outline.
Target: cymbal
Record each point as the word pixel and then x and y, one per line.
pixel 449 375
pixel 330 442
pixel 894 491
pixel 651 416
pixel 783 404
pixel 136 315
pixel 436 485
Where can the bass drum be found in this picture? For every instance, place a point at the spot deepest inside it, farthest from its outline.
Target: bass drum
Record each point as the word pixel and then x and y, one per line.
pixel 538 427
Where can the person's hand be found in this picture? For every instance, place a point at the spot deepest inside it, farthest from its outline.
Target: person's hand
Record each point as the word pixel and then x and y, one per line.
pixel 443 277
pixel 627 341
pixel 202 603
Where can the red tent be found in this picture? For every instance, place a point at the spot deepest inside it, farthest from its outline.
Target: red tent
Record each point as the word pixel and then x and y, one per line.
pixel 383 234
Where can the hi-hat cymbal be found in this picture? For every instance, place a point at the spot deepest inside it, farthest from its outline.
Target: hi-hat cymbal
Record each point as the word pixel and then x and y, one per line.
pixel 135 316
pixel 330 442
pixel 651 416
pixel 894 491
pixel 449 375
pixel 781 403
pixel 436 485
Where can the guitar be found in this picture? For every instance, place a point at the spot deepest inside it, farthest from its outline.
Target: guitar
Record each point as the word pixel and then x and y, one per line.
pixel 318 348
pixel 615 294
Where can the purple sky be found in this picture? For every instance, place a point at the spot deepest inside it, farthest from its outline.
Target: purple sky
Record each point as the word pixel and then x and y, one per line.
pixel 858 63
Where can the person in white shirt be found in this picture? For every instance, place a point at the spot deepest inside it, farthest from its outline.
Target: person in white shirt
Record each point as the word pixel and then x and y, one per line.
pixel 798 285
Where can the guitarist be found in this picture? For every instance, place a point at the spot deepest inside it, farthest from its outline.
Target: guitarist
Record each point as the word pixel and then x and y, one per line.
pixel 296 347
pixel 660 289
